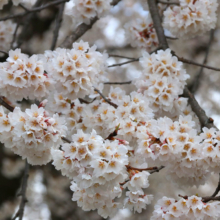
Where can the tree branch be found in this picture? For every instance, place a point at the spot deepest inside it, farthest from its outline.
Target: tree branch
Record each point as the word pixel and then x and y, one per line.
pixel 157 24
pixel 28 11
pixel 154 169
pixel 168 3
pixel 57 25
pixel 117 83
pixel 6 105
pixel 199 75
pixel 65 139
pixel 107 100
pixel 195 63
pixel 20 211
pixel 120 64
pixel 81 30
pixel 203 118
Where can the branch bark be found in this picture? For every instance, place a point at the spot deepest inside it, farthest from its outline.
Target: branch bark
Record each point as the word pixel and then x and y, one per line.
pixel 81 30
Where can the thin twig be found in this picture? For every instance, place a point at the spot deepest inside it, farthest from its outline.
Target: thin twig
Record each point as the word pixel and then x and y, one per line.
pixel 172 38
pixel 81 30
pixel 15 34
pixel 6 105
pixel 143 169
pixel 28 11
pixel 22 6
pixel 217 189
pixel 157 170
pixel 86 102
pixel 118 83
pixel 168 3
pixel 119 56
pixel 203 118
pixel 66 139
pixel 199 75
pixel 57 25
pixel 107 100
pixel 120 64
pixel 195 63
pixel 206 199
pixel 20 211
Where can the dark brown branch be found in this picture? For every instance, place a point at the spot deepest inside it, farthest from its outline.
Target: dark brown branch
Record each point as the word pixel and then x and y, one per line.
pixel 157 170
pixel 157 24
pixel 6 105
pixel 119 56
pixel 20 211
pixel 168 3
pixel 199 75
pixel 81 30
pixel 133 59
pixel 203 118
pixel 217 189
pixel 118 83
pixel 142 169
pixel 66 140
pixel 107 100
pixel 206 199
pixel 57 25
pixel 28 11
pixel 172 38
pixel 86 102
pixel 120 64
pixel 15 34
pixel 22 6
pixel 196 64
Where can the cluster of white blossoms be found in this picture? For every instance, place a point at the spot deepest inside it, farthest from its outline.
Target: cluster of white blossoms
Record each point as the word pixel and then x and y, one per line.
pixel 23 77
pixel 163 79
pixel 31 134
pixel 184 209
pixel 76 71
pixel 99 171
pixel 7 29
pixel 141 33
pixel 84 10
pixel 191 18
pixel 101 116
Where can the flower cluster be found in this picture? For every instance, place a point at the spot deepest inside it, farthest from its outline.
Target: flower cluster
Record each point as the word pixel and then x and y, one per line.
pixel 31 134
pixel 97 166
pixel 163 79
pixel 7 29
pixel 76 71
pixel 100 172
pixel 103 117
pixel 84 10
pixel 191 18
pixel 23 77
pixel 140 33
pixel 191 208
